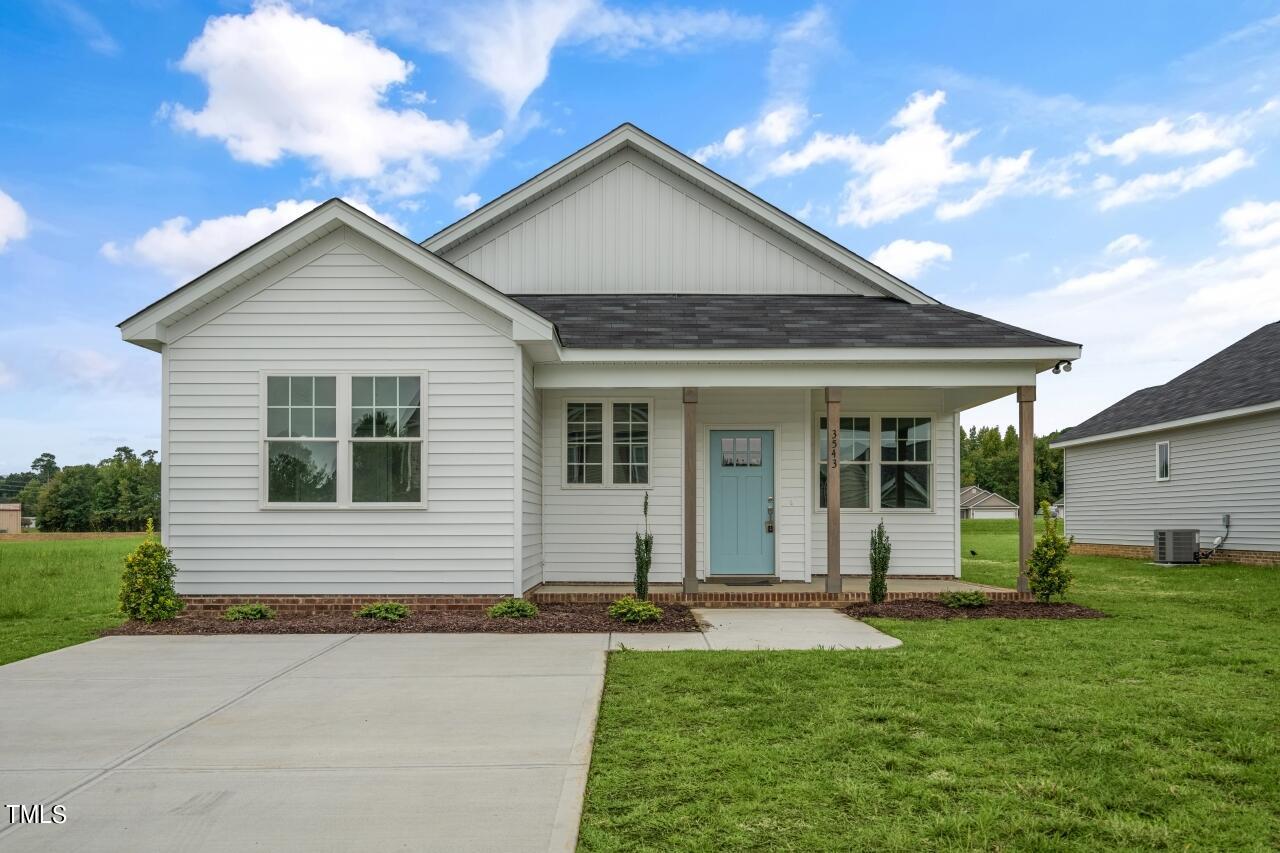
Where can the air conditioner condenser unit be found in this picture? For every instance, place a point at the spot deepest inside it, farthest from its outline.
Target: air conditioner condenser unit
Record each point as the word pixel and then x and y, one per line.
pixel 1177 547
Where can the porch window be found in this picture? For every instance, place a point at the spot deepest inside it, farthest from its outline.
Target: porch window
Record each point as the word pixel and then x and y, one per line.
pixel 302 446
pixel 612 430
pixel 906 459
pixel 855 463
pixel 386 439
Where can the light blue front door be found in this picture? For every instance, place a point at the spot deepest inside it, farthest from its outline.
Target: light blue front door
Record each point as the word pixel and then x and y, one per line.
pixel 741 497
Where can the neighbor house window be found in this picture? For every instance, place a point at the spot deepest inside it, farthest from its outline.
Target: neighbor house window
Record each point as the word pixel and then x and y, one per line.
pixel 616 431
pixel 344 440
pixel 905 461
pixel 1162 460
pixel 302 446
pixel 855 462
pixel 386 439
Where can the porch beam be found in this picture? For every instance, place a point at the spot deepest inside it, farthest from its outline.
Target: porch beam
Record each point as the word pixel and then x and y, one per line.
pixel 833 490
pixel 1026 480
pixel 689 492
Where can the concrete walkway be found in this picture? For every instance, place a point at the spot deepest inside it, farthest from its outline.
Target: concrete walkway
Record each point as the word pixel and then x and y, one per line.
pixel 303 742
pixel 761 628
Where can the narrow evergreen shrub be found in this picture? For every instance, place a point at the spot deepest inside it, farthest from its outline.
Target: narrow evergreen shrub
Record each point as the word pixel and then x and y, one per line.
pixel 513 608
pixel 146 587
pixel 644 555
pixel 629 609
pixel 243 612
pixel 1047 573
pixel 387 611
pixel 880 551
pixel 964 598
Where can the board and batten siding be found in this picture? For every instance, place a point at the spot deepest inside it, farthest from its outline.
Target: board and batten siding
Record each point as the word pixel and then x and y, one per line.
pixel 343 305
pixel 630 225
pixel 1231 466
pixel 925 542
pixel 531 481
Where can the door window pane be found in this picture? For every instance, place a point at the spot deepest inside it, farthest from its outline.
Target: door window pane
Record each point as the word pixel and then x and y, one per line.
pixel 302 471
pixel 386 471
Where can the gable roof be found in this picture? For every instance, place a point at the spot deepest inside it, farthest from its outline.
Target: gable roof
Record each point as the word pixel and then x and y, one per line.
pixel 720 321
pixel 984 498
pixel 146 327
pixel 629 136
pixel 1238 380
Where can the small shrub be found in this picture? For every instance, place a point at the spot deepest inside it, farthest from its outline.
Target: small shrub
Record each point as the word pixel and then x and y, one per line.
pixel 631 609
pixel 880 551
pixel 1047 573
pixel 513 608
pixel 146 587
pixel 644 555
pixel 964 598
pixel 254 611
pixel 387 611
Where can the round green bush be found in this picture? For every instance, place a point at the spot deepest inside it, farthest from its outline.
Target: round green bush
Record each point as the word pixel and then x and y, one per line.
pixel 632 609
pixel 964 598
pixel 252 612
pixel 146 587
pixel 387 611
pixel 513 608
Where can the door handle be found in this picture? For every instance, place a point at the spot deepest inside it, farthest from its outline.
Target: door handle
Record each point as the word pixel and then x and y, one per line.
pixel 768 524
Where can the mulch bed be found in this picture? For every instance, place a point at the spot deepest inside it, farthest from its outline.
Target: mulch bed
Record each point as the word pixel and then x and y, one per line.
pixel 551 619
pixel 923 608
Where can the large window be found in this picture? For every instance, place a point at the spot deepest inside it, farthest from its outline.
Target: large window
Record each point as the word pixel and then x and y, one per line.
pixel 374 458
pixel 905 463
pixel 1162 460
pixel 600 430
pixel 855 462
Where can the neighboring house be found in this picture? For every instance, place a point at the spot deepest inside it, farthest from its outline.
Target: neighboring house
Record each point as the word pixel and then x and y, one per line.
pixel 976 502
pixel 348 412
pixel 1182 455
pixel 10 518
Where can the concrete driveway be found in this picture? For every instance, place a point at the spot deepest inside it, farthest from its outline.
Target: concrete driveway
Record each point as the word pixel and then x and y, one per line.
pixel 303 742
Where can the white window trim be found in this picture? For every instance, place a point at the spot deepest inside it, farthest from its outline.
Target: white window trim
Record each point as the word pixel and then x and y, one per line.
pixel 606 449
pixel 343 439
pixel 876 464
pixel 1169 455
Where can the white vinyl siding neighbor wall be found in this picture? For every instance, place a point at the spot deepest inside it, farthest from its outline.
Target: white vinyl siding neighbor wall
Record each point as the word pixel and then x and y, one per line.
pixel 628 225
pixel 342 306
pixel 531 482
pixel 1113 495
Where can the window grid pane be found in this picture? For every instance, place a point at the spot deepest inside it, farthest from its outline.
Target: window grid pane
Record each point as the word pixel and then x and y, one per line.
pixel 630 443
pixel 301 407
pixel 386 407
pixel 906 448
pixel 302 471
pixel 386 471
pixel 585 443
pixel 855 462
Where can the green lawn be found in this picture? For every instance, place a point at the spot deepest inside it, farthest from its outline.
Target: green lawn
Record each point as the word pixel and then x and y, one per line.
pixel 58 592
pixel 1158 728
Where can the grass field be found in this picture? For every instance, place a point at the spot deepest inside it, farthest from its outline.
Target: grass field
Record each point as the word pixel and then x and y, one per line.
pixel 1158 728
pixel 57 592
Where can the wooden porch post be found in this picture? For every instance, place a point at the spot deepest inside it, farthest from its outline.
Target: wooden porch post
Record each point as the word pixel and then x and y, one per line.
pixel 833 490
pixel 1026 480
pixel 690 537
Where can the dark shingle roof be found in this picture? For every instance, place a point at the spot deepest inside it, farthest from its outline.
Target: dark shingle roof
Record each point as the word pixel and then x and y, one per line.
pixel 728 321
pixel 1243 374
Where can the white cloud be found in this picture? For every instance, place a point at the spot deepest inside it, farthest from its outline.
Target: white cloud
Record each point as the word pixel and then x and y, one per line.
pixel 1130 271
pixel 1252 224
pixel 88 27
pixel 284 84
pixel 1003 174
pixel 1127 244
pixel 1176 182
pixel 13 221
pixel 506 45
pixel 910 258
pixel 87 366
pixel 1196 134
pixel 182 251
pixel 776 127
pixel 467 203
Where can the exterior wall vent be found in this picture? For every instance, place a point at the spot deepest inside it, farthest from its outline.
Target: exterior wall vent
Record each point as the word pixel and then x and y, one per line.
pixel 1174 547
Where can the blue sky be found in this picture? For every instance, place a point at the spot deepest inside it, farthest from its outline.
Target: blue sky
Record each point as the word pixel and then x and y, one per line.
pixel 1103 172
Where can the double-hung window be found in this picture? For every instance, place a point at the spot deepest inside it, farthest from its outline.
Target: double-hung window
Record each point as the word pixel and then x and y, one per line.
pixel 906 460
pixel 855 462
pixel 901 462
pixel 344 441
pixel 607 443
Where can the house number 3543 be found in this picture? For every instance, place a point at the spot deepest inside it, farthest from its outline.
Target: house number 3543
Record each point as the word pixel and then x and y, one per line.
pixel 833 453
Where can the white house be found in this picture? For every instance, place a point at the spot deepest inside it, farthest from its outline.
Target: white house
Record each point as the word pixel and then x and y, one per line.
pixel 976 502
pixel 350 413
pixel 1201 452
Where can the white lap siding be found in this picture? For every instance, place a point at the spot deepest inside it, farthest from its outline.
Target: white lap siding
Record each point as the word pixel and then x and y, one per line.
pixel 1232 466
pixel 350 309
pixel 531 481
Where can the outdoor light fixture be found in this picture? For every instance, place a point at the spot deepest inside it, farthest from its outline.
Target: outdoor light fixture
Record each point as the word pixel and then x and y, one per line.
pixel 1061 366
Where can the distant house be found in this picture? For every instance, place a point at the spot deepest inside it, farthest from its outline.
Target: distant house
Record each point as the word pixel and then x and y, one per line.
pixel 1184 454
pixel 10 518
pixel 976 502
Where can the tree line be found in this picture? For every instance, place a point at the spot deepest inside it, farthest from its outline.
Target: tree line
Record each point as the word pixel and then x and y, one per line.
pixel 989 460
pixel 118 494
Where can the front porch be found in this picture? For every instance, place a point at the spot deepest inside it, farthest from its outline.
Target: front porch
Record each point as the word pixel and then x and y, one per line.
pixel 812 593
